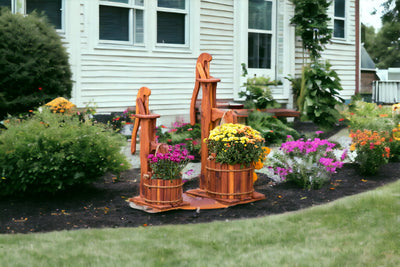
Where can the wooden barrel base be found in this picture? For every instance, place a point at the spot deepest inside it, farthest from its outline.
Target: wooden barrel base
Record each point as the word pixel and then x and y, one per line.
pixel 255 196
pixel 145 205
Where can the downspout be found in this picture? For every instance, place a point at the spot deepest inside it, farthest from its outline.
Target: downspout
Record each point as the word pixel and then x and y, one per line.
pixel 357 7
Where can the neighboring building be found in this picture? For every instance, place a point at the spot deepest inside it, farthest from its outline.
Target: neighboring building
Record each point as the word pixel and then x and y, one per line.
pixel 368 74
pixel 118 46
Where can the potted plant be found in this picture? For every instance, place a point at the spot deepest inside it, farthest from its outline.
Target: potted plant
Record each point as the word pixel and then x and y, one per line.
pixel 164 184
pixel 123 123
pixel 234 150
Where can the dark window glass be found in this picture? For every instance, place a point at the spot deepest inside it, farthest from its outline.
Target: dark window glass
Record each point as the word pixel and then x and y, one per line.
pixel 260 15
pixel 180 4
pixel 338 28
pixel 259 50
pixel 6 3
pixel 51 8
pixel 170 28
pixel 339 8
pixel 114 23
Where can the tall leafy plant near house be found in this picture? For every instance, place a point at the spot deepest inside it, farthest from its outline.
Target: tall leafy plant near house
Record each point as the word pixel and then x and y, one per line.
pixel 320 85
pixel 34 67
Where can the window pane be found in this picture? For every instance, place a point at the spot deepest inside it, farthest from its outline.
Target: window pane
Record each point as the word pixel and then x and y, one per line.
pixel 338 30
pixel 259 51
pixel 51 8
pixel 172 3
pixel 139 2
pixel 114 23
pixel 119 1
pixel 6 3
pixel 170 28
pixel 260 14
pixel 139 31
pixel 339 8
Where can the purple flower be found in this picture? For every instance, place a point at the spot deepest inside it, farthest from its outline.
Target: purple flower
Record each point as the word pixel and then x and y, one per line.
pixel 319 132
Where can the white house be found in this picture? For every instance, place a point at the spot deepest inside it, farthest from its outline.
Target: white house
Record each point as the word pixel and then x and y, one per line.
pixel 118 46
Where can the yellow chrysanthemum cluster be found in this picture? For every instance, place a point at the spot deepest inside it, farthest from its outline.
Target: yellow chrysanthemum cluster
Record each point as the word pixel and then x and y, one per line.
pixel 237 133
pixel 60 105
pixel 235 143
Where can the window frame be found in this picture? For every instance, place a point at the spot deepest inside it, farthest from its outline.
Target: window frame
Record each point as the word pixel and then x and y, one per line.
pixel 187 24
pixel 269 72
pixel 337 18
pixel 132 23
pixel 63 11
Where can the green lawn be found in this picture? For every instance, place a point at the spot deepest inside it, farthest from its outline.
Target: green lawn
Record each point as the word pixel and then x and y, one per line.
pixel 362 230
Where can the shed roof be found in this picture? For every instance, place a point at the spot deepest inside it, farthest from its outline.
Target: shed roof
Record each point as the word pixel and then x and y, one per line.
pixel 366 61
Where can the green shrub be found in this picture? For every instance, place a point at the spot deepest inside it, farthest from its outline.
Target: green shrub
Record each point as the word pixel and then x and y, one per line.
pixel 362 115
pixel 34 67
pixel 49 152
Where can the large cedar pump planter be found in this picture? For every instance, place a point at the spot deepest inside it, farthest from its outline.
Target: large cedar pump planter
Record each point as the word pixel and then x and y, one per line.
pixel 162 192
pixel 224 181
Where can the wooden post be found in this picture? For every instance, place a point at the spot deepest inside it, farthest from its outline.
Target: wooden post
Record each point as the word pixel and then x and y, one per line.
pixel 209 113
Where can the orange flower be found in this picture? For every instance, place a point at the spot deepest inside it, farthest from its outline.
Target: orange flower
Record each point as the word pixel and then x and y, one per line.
pixel 383 115
pixel 255 177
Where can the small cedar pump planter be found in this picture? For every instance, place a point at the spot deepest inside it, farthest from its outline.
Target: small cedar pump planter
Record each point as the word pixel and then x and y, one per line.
pixel 229 182
pixel 163 192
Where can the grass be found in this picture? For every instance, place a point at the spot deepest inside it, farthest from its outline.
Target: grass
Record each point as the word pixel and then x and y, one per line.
pixel 361 230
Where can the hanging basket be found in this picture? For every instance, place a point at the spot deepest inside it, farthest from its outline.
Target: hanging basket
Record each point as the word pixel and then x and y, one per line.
pixel 162 192
pixel 224 181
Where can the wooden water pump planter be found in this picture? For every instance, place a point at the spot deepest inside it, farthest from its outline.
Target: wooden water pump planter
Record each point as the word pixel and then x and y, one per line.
pixel 228 184
pixel 155 194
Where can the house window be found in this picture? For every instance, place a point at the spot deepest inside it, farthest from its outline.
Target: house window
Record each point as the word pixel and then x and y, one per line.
pixel 260 34
pixel 339 21
pixel 121 20
pixel 51 8
pixel 5 3
pixel 171 21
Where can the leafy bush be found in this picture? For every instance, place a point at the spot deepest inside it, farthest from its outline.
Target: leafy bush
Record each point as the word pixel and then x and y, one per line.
pixel 362 115
pixel 182 133
pixel 272 129
pixel 34 65
pixel 49 152
pixel 258 94
pixel 319 94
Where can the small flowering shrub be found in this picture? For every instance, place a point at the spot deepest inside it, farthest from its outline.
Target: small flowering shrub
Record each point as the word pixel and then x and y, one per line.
pixel 50 152
pixel 372 150
pixel 235 143
pixel 169 166
pixel 182 133
pixel 308 163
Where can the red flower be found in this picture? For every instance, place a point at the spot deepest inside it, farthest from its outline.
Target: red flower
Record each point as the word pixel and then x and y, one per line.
pixel 341 119
pixel 40 88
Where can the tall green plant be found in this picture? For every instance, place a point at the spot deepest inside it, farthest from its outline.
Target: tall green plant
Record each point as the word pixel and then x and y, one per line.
pixel 312 24
pixel 34 67
pixel 320 94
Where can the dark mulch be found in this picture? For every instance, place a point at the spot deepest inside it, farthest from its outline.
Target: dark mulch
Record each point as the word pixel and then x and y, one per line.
pixel 103 204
